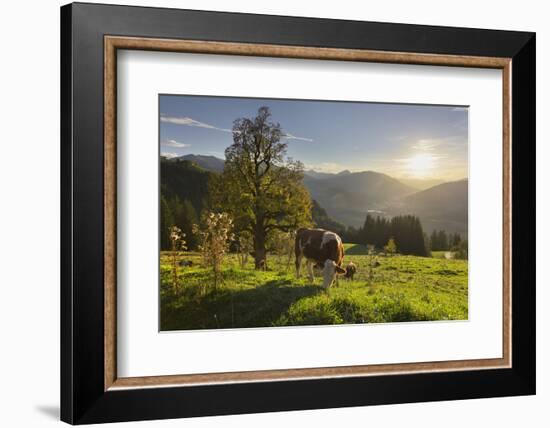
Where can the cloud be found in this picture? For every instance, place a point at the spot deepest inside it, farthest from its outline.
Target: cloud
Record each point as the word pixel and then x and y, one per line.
pixel 451 142
pixel 169 155
pixel 174 143
pixel 289 136
pixel 187 121
pixel 422 156
pixel 426 144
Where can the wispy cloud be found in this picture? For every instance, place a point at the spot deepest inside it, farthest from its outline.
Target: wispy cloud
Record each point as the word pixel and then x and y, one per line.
pixel 426 144
pixel 443 143
pixel 187 121
pixel 289 136
pixel 169 155
pixel 422 157
pixel 174 143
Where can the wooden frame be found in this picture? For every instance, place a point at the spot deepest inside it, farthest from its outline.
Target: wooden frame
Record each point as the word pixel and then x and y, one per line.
pixel 112 43
pixel 76 390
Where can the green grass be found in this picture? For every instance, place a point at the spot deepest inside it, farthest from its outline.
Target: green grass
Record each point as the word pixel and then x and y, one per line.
pixel 355 250
pixel 401 288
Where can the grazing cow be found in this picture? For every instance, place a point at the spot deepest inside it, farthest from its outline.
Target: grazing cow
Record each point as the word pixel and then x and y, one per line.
pixel 321 248
pixel 351 269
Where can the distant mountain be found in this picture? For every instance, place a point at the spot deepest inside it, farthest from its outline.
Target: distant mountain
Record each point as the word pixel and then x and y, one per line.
pixel 349 195
pixel 315 174
pixel 444 206
pixel 421 183
pixel 209 163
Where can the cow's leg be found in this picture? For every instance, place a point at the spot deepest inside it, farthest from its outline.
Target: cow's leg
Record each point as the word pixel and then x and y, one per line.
pixel 298 264
pixel 310 271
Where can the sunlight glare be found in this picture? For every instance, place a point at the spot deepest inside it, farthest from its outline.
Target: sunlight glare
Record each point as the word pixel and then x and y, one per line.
pixel 421 165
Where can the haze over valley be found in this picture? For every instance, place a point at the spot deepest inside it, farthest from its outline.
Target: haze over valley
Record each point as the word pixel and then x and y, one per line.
pixel 347 196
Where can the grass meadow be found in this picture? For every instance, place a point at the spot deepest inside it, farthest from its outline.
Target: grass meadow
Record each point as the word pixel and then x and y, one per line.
pixel 385 289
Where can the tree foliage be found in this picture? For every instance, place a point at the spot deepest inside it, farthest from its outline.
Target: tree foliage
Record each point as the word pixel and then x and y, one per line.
pixel 390 248
pixel 461 250
pixel 406 232
pixel 260 187
pixel 184 196
pixel 166 222
pixel 439 240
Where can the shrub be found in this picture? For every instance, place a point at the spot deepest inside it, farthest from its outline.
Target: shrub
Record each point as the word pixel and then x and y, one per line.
pixel 178 243
pixel 461 250
pixel 245 245
pixel 214 235
pixel 390 248
pixel 282 244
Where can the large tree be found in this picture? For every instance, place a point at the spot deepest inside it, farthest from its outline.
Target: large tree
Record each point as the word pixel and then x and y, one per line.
pixel 260 186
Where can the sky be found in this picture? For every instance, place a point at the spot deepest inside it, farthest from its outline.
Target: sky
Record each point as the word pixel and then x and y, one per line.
pixel 401 140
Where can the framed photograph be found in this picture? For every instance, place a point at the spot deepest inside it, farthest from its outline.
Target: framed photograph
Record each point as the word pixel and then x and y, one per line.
pixel 267 213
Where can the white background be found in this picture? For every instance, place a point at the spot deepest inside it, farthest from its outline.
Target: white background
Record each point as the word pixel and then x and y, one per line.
pixel 29 165
pixel 142 351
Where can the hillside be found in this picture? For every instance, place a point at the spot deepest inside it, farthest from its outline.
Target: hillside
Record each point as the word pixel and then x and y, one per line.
pixel 186 180
pixel 444 206
pixel 209 163
pixel 348 196
pixel 421 183
pixel 322 220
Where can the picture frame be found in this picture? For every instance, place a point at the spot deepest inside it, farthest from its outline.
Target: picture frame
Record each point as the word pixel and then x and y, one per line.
pixel 91 391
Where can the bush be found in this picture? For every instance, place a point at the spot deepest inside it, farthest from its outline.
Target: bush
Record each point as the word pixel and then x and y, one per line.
pixel 461 251
pixel 177 244
pixel 244 246
pixel 214 236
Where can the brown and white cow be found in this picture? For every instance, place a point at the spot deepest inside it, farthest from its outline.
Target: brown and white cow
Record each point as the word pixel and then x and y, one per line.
pixel 320 248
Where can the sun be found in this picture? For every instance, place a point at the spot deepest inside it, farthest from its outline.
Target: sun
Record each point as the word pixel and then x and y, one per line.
pixel 421 165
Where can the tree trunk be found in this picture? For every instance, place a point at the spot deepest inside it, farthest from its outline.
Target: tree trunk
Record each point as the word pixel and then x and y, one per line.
pixel 260 262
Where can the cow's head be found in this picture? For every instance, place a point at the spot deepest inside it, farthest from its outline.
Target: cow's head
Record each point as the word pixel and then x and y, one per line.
pixel 351 269
pixel 329 272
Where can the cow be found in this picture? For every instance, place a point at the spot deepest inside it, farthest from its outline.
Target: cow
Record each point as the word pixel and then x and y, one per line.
pixel 351 269
pixel 320 248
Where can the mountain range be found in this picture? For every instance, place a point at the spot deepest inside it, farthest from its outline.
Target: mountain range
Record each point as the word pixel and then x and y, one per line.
pixel 347 196
pixel 209 163
pixel 444 206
